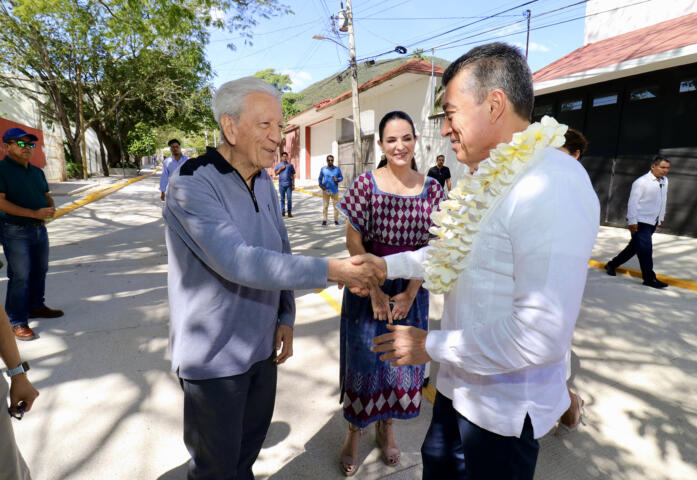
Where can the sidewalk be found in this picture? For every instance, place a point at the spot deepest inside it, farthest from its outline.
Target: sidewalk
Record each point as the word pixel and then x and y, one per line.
pixel 110 409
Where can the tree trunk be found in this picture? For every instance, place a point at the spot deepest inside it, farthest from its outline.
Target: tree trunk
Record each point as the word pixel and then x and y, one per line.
pixel 110 144
pixel 102 157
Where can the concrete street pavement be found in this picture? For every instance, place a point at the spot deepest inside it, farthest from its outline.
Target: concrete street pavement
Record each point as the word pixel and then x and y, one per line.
pixel 110 409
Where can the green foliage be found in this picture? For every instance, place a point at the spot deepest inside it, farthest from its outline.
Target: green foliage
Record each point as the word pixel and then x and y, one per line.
pixel 418 53
pixel 73 170
pixel 141 140
pixel 125 165
pixel 291 103
pixel 133 61
pixel 279 80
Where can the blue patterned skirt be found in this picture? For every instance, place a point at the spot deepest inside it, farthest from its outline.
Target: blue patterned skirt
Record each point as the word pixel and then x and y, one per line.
pixel 372 390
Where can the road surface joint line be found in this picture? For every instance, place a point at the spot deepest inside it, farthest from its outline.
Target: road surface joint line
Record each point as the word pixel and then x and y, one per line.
pixel 98 195
pixel 675 282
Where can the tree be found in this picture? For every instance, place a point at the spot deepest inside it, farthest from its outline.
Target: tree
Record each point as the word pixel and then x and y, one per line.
pixel 110 64
pixel 418 53
pixel 281 81
pixel 141 140
pixel 291 104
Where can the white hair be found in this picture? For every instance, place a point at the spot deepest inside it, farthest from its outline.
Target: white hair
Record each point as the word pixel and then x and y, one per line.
pixel 229 99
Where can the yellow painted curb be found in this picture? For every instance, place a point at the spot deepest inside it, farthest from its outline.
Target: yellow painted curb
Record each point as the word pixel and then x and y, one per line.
pixel 676 282
pixel 429 392
pixel 308 192
pixel 329 299
pixel 93 197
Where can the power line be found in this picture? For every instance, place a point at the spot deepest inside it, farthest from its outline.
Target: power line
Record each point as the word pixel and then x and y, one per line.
pixel 453 29
pixel 542 26
pixel 426 18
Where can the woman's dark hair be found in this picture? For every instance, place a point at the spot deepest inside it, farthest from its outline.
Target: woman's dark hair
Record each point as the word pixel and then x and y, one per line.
pixel 395 115
pixel 575 141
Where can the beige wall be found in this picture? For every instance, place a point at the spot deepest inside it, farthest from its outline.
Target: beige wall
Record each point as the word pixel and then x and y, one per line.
pixel 623 20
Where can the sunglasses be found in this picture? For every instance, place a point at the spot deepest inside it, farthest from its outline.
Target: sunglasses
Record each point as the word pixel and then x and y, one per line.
pixel 17 411
pixel 23 144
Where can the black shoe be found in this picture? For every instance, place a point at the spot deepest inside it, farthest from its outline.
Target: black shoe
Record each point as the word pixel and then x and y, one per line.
pixel 336 223
pixel 610 270
pixel 655 283
pixel 324 223
pixel 283 214
pixel 290 214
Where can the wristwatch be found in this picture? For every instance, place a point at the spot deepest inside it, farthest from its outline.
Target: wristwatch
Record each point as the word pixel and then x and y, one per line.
pixel 21 368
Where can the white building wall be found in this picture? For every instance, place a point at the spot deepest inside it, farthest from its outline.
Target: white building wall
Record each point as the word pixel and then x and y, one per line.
pixel 322 138
pixel 620 20
pixel 17 107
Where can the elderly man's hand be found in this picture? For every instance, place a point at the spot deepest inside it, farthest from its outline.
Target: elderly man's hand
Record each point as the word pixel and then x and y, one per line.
pixel 284 338
pixel 402 346
pixel 359 274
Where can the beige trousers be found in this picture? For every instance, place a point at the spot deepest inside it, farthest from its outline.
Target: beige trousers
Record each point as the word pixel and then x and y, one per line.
pixel 335 199
pixel 12 465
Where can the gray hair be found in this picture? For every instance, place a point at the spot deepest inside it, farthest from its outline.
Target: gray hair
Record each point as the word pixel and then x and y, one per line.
pixel 497 65
pixel 229 99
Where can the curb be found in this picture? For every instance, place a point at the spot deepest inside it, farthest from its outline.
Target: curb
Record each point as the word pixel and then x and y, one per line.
pixel 93 197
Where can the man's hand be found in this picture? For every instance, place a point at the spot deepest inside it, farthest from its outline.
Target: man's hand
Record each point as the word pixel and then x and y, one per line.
pixel 633 228
pixel 44 213
pixel 162 196
pixel 284 338
pixel 283 167
pixel 402 305
pixel 323 187
pixel 335 179
pixel 360 275
pixel 402 346
pixel 22 390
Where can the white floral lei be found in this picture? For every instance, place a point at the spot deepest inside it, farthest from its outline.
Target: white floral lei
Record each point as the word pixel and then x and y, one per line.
pixel 459 219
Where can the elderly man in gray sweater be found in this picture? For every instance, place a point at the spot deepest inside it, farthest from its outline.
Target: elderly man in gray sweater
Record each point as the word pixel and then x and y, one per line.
pixel 231 280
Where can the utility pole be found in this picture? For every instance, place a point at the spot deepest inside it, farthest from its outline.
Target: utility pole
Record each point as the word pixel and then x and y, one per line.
pixel 527 40
pixel 357 156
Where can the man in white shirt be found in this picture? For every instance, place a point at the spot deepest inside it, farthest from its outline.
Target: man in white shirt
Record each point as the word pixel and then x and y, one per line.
pixel 509 317
pixel 645 211
pixel 170 164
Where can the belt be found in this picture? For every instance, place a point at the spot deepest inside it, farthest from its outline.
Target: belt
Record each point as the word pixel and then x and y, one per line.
pixel 32 223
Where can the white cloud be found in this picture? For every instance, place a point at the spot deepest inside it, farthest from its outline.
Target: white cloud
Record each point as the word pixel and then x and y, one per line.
pixel 533 47
pixel 300 79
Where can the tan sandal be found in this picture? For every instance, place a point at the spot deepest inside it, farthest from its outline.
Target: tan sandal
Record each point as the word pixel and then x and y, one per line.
pixel 390 455
pixel 349 463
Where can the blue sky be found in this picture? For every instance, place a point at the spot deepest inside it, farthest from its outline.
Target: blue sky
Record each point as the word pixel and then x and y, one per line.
pixel 285 43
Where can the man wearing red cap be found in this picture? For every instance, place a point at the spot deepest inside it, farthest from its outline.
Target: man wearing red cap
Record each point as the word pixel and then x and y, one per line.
pixel 26 203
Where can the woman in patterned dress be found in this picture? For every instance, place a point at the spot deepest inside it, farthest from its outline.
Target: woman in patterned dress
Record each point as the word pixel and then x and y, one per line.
pixel 388 211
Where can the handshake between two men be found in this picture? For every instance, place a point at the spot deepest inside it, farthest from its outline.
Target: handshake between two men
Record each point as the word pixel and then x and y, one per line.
pixel 403 345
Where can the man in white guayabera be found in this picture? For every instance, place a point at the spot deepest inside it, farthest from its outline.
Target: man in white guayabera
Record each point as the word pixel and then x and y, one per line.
pixel 511 257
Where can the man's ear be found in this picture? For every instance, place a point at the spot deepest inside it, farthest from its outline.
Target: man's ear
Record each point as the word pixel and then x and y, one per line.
pixel 230 130
pixel 497 104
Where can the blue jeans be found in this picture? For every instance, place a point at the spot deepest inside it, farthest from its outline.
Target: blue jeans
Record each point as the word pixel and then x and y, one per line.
pixel 455 448
pixel 642 246
pixel 226 420
pixel 26 251
pixel 286 190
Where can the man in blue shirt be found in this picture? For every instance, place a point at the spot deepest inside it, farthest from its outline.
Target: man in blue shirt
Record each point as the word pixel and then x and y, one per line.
pixel 329 178
pixel 170 164
pixel 286 183
pixel 27 203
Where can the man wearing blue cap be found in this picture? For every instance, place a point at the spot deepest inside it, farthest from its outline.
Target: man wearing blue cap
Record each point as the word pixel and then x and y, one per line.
pixel 25 199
